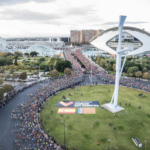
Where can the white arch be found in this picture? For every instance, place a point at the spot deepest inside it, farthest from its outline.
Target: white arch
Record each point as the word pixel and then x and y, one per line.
pixel 106 35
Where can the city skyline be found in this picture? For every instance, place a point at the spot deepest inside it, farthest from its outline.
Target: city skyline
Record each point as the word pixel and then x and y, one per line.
pixel 45 18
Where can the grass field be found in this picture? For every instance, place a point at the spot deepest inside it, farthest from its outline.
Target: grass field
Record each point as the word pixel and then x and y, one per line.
pixel 86 130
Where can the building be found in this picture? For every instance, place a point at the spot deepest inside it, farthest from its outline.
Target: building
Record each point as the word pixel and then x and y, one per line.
pixel 75 36
pixel 60 39
pixel 82 36
pixel 137 39
pixel 3 45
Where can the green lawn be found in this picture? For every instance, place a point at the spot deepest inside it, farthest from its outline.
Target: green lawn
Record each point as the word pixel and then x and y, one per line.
pixel 60 74
pixel 20 71
pixel 112 72
pixel 38 57
pixel 84 131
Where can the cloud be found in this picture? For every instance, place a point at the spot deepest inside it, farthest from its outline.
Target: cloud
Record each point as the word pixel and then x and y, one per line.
pixel 12 2
pixel 26 15
pixel 127 22
pixel 80 11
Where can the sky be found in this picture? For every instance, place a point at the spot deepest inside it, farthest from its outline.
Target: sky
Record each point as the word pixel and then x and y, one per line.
pixel 47 18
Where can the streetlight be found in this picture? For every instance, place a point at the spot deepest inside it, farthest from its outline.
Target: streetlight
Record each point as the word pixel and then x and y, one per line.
pixel 39 70
pixel 64 131
pixel 109 143
pixel 91 74
pixel 145 144
pixel 13 69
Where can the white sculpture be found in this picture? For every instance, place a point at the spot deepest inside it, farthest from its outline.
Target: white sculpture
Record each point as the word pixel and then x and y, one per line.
pixel 113 107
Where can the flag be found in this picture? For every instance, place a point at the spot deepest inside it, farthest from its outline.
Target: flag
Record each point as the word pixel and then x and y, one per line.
pixel 86 111
pixel 66 103
pixel 66 110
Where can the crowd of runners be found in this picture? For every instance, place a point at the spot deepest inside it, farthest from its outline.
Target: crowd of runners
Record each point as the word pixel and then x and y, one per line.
pixel 28 130
pixel 17 89
pixel 137 83
pixel 89 64
pixel 27 127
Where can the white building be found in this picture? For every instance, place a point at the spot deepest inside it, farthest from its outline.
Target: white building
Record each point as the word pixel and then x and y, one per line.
pixel 2 45
pixel 137 39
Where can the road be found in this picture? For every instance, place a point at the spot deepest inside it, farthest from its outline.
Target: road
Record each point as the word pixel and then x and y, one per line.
pixel 6 138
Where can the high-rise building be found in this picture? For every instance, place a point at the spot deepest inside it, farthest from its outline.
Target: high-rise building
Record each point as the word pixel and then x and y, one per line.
pixel 82 36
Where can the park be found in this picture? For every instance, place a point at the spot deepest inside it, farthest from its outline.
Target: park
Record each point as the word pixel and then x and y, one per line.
pixel 84 131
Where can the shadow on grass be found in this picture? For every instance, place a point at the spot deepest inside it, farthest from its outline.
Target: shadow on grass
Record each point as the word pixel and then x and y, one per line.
pixel 96 124
pixel 148 115
pixel 103 140
pixel 86 136
pixel 70 127
pixel 120 128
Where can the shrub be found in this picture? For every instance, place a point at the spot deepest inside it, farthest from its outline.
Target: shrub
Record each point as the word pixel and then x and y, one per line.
pixel 67 71
pixel 23 76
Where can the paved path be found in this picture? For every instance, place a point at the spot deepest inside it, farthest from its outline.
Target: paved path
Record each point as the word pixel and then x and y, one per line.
pixel 6 139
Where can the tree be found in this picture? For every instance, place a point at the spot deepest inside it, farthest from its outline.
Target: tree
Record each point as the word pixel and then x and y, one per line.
pixel 102 63
pixel 127 65
pixel 21 67
pixel 112 61
pixel 7 88
pixel 14 76
pixel 5 61
pixel 7 54
pixel 16 68
pixel 138 74
pixel 144 69
pixel 1 81
pixel 61 65
pixel 28 67
pixel 19 54
pixel 11 67
pixel 130 74
pixel 30 70
pixel 34 53
pixel 1 94
pixel 23 76
pixel 146 75
pixel 16 64
pixel 36 72
pixel 41 59
pixel 114 67
pixel 2 70
pixel 98 59
pixel 6 67
pixel 2 76
pixel 44 66
pixel 8 76
pixel 133 70
pixel 11 71
pixel 26 54
pixel 67 71
pixel 54 73
pixel 109 67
